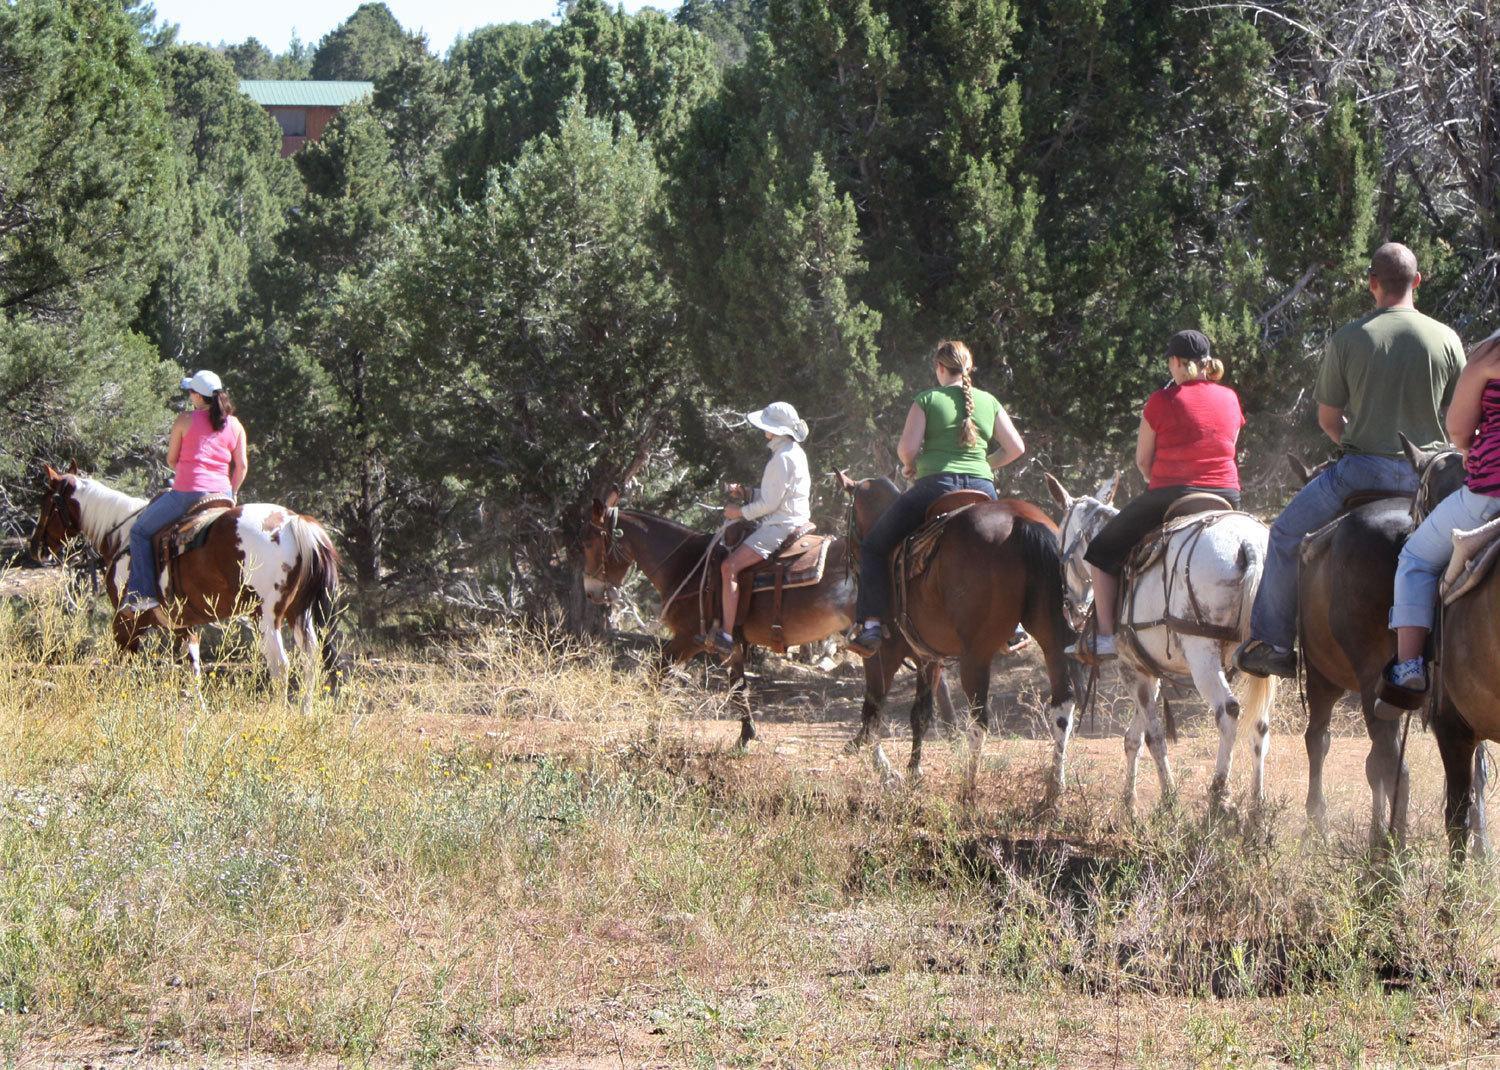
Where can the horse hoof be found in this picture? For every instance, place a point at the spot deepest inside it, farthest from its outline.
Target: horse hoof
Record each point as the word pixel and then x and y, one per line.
pixel 854 746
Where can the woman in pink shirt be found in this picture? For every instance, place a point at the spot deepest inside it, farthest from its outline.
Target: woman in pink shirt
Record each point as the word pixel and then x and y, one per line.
pixel 207 453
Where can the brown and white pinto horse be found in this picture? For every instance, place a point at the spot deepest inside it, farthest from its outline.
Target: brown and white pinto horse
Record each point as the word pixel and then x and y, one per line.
pixel 257 559
pixel 997 565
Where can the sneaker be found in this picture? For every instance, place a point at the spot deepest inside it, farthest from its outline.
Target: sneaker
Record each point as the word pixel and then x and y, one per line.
pixel 139 605
pixel 1096 648
pixel 867 640
pixel 1262 659
pixel 1403 688
pixel 721 642
pixel 1018 640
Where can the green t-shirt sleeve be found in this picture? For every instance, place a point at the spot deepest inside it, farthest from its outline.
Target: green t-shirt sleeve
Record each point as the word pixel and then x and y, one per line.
pixel 1456 363
pixel 1332 388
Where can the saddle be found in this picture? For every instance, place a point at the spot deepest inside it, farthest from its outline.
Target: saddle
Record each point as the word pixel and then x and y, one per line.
pixel 915 554
pixel 187 532
pixel 1474 555
pixel 799 561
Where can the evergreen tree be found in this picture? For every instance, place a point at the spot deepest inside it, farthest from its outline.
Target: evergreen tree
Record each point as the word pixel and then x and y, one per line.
pixel 554 341
pixel 366 46
pixel 87 166
pixel 251 59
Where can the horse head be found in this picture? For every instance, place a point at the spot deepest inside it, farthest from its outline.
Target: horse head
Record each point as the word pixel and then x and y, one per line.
pixel 61 517
pixel 1439 474
pixel 1304 472
pixel 606 555
pixel 868 498
pixel 1082 520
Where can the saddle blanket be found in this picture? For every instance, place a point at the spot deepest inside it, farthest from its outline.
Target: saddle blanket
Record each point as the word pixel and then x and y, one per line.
pixel 189 531
pixel 804 560
pixel 1474 554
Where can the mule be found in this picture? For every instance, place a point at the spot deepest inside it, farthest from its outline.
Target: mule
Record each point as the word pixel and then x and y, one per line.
pixel 1345 588
pixel 257 560
pixel 672 557
pixel 996 565
pixel 1182 618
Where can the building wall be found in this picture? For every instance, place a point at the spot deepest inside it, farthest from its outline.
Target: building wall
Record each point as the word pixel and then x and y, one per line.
pixel 315 122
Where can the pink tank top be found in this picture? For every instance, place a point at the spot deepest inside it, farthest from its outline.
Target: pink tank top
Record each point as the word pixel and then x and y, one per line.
pixel 203 463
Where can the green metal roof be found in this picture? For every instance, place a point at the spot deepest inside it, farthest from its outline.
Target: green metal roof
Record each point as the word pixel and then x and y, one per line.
pixel 305 94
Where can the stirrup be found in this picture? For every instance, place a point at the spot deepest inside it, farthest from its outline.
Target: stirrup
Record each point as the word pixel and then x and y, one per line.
pixel 866 640
pixel 1393 701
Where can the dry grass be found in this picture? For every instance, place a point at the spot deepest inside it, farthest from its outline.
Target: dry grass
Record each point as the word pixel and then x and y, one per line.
pixel 233 879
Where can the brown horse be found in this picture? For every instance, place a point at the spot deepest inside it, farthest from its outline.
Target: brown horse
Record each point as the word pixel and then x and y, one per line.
pixel 672 557
pixel 256 559
pixel 1345 589
pixel 997 565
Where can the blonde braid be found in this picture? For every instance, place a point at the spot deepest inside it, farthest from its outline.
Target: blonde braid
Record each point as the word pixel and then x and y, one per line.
pixel 969 436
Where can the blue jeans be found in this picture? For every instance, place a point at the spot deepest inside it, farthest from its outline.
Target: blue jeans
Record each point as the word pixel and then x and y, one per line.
pixel 161 512
pixel 1273 620
pixel 1427 552
pixel 903 517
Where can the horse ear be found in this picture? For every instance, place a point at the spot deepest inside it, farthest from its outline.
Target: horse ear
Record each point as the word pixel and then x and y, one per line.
pixel 612 499
pixel 1299 468
pixel 72 468
pixel 598 511
pixel 1415 456
pixel 1106 492
pixel 846 484
pixel 1059 493
pixel 50 475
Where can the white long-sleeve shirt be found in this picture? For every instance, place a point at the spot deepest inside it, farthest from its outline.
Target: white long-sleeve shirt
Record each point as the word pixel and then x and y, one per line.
pixel 785 494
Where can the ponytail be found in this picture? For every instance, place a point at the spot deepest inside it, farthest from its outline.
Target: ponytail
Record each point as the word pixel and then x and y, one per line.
pixel 220 409
pixel 1210 368
pixel 955 357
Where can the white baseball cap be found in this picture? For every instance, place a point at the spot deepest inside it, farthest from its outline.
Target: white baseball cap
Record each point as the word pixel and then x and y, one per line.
pixel 779 418
pixel 204 382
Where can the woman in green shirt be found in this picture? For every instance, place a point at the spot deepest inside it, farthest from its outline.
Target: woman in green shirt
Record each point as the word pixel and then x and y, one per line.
pixel 943 447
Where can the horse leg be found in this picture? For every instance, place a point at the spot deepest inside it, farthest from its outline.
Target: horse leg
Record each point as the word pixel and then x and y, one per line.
pixel 270 639
pixel 305 636
pixel 1147 694
pixel 1321 695
pixel 1135 734
pixel 1479 831
pixel 739 691
pixel 1207 668
pixel 1385 769
pixel 928 677
pixel 879 672
pixel 974 675
pixel 192 640
pixel 1460 753
pixel 1044 628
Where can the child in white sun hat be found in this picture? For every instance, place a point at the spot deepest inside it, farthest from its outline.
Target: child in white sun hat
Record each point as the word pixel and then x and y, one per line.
pixel 782 504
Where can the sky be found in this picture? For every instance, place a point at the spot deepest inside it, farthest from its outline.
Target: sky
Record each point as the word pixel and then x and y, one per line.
pixel 272 21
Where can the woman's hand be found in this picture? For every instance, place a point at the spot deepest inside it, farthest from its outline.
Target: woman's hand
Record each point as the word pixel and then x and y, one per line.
pixel 733 512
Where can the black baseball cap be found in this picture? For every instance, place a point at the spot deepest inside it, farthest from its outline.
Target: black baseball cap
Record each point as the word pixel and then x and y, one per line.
pixel 1188 345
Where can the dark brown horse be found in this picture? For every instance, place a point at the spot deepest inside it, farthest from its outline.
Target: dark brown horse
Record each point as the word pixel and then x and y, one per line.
pixel 997 565
pixel 1345 589
pixel 672 557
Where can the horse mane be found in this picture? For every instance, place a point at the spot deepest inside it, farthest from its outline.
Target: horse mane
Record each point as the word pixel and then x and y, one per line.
pixel 1024 510
pixel 101 508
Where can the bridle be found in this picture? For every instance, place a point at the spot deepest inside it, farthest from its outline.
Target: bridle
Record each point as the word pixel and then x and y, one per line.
pixel 1073 568
pixel 612 551
pixel 1421 503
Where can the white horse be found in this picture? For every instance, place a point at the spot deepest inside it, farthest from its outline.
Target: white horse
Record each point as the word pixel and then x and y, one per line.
pixel 257 559
pixel 1204 582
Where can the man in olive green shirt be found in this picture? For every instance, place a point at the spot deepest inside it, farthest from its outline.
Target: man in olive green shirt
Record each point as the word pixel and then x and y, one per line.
pixel 1386 374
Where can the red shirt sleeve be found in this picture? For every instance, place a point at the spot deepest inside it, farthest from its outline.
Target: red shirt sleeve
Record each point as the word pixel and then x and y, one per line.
pixel 1156 410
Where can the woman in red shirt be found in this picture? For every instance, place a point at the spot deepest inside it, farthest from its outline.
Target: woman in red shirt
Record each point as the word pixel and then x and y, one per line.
pixel 1186 443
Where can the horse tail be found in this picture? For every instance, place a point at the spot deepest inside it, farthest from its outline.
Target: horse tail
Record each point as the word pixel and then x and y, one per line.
pixel 1259 695
pixel 316 582
pixel 1043 606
